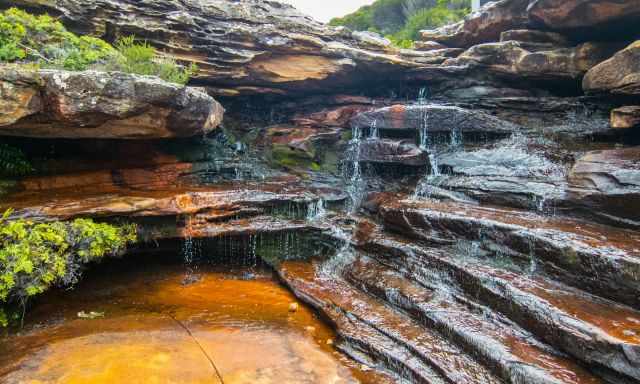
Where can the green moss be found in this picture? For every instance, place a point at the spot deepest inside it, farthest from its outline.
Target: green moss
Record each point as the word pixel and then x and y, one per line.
pixel 36 256
pixel 284 156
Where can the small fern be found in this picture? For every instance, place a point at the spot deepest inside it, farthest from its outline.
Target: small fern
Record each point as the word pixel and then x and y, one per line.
pixel 13 162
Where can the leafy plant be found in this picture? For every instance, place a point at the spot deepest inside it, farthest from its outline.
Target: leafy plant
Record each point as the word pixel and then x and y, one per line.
pixel 141 58
pixel 36 256
pixel 13 162
pixel 42 39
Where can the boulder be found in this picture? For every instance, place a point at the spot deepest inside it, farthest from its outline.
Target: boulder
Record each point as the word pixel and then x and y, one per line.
pixel 512 59
pixel 482 26
pixel 583 14
pixel 620 74
pixel 625 117
pixel 104 105
pixel 607 184
pixel 240 47
pixel 436 118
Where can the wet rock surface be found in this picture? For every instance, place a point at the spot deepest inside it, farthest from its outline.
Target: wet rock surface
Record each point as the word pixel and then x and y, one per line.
pixel 221 328
pixel 438 118
pixel 497 237
pixel 75 105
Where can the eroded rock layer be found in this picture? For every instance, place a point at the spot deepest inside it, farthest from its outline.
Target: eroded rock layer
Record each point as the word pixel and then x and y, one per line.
pixel 90 104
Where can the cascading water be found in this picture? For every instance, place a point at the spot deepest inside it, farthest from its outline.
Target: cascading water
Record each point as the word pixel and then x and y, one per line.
pixel 315 210
pixel 433 175
pixel 353 174
pixel 433 171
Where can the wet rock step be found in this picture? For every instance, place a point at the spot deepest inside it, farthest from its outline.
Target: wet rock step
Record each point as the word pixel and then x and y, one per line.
pixel 600 259
pixel 591 329
pixel 370 327
pixel 512 352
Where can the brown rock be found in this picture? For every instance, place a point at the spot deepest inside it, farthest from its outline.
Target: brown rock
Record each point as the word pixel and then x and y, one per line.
pixel 625 117
pixel 387 151
pixel 620 74
pixel 607 183
pixel 571 14
pixel 62 104
pixel 240 47
pixel 483 26
pixel 533 36
pixel 510 58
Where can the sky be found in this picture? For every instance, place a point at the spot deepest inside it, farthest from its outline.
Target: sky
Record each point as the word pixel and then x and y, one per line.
pixel 325 10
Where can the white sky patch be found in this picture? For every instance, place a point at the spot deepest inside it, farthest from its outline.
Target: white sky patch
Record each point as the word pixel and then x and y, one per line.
pixel 325 10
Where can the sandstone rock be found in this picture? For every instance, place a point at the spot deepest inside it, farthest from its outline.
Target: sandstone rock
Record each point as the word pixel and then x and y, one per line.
pixel 510 58
pixel 301 142
pixel 607 184
pixel 243 47
pixel 534 36
pixel 61 104
pixel 438 118
pixel 428 45
pixel 625 117
pixel 483 26
pixel 384 151
pixel 620 74
pixel 573 14
pixel 433 57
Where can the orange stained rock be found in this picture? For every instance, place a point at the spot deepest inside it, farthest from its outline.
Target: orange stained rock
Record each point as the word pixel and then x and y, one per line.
pixel 156 329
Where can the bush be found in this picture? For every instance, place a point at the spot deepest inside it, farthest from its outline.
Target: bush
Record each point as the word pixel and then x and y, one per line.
pixel 13 162
pixel 402 20
pixel 27 38
pixel 37 256
pixel 44 40
pixel 428 19
pixel 143 59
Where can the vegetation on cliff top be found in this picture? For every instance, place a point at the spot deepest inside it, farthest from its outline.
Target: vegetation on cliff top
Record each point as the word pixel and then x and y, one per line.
pixel 26 38
pixel 36 256
pixel 402 20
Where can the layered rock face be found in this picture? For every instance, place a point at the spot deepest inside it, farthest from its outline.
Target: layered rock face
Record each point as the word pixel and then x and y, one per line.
pixel 61 104
pixel 249 46
pixel 497 241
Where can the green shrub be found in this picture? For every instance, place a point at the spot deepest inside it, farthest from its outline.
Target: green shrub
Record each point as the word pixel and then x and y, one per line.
pixel 13 162
pixel 428 19
pixel 37 256
pixel 402 20
pixel 141 58
pixel 44 40
pixel 26 38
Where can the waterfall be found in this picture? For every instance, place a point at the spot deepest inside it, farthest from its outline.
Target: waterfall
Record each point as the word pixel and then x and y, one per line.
pixel 191 251
pixel 433 171
pixel 374 132
pixel 315 210
pixel 355 185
